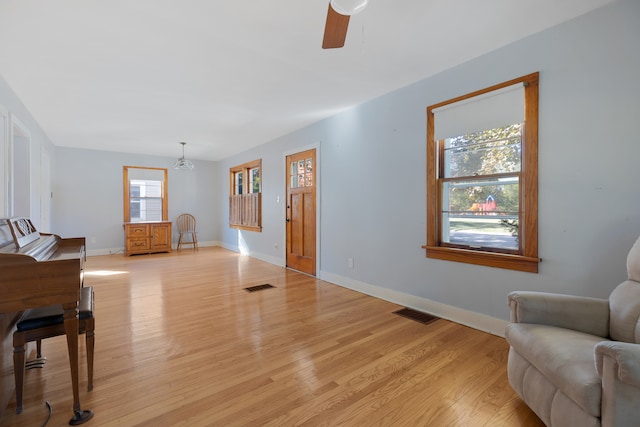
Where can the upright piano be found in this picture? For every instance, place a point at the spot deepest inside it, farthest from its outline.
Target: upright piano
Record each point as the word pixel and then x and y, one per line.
pixel 40 269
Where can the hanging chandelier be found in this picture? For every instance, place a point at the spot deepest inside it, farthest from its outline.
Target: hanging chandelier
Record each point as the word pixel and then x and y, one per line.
pixel 182 163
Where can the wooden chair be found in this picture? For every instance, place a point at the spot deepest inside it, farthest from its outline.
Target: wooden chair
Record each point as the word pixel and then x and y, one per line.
pixel 39 323
pixel 186 224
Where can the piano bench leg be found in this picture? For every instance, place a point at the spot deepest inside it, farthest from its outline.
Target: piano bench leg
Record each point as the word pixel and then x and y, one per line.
pixel 18 370
pixel 90 344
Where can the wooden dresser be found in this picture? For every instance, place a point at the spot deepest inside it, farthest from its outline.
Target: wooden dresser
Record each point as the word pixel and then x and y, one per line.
pixel 147 237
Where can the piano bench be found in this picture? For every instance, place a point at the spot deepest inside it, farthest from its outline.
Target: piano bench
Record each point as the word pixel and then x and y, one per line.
pixel 39 323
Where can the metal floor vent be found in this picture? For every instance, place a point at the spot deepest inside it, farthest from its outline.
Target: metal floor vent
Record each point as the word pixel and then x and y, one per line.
pixel 416 315
pixel 258 287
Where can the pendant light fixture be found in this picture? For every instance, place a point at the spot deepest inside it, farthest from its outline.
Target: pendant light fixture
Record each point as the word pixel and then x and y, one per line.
pixel 182 163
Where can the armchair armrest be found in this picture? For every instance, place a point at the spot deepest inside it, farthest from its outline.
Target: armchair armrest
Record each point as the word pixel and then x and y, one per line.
pixel 618 365
pixel 626 357
pixel 589 315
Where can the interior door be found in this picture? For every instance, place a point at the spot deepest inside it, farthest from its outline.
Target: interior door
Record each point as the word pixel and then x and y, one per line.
pixel 302 176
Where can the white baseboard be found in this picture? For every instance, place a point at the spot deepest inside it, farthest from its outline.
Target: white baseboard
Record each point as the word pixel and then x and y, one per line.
pixel 258 255
pixel 233 248
pixel 472 319
pixel 115 251
pixel 105 251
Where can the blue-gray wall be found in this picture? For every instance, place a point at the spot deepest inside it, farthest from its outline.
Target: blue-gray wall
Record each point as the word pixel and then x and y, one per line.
pixel 373 176
pixel 88 196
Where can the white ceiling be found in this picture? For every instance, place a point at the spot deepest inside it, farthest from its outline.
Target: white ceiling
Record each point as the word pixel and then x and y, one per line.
pixel 140 75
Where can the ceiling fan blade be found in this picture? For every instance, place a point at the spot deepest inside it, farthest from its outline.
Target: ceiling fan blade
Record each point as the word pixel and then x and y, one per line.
pixel 335 30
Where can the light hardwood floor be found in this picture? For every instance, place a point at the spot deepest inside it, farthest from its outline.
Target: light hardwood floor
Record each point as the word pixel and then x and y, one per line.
pixel 179 342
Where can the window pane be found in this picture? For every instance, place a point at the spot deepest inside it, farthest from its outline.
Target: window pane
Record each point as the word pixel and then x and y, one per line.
pixel 254 176
pixel 145 203
pixel 488 152
pixel 134 206
pixel 238 181
pixel 481 212
pixel 151 209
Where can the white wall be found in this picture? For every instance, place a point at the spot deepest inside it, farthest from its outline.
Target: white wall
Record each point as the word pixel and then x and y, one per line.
pixel 373 176
pixel 88 196
pixel 39 145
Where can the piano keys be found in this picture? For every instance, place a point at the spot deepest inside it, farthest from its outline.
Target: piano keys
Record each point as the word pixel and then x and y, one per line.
pixel 40 269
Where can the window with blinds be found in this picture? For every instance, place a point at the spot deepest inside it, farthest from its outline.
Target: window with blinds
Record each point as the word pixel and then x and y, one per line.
pixel 482 176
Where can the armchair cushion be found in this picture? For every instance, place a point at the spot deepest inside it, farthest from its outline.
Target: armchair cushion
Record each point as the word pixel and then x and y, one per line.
pixel 633 262
pixel 583 314
pixel 565 357
pixel 624 304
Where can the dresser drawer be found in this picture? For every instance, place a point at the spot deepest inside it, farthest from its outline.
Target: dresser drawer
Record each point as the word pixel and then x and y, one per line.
pixel 142 244
pixel 138 230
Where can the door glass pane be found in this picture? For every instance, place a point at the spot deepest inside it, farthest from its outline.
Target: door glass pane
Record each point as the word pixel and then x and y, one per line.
pixel 301 167
pixel 308 181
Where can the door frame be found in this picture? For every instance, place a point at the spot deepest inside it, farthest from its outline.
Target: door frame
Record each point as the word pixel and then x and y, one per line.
pixel 283 210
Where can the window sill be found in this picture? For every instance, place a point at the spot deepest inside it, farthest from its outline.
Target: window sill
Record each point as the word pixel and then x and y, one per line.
pixel 246 227
pixel 489 259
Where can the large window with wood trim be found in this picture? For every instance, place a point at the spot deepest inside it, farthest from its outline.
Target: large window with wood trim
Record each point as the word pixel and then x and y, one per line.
pixel 145 194
pixel 245 199
pixel 482 177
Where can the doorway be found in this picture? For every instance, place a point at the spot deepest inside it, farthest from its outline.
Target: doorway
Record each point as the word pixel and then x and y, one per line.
pixel 20 170
pixel 302 178
pixel 4 162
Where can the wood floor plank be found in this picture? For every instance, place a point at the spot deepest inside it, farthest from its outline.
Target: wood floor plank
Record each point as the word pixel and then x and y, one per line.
pixel 179 342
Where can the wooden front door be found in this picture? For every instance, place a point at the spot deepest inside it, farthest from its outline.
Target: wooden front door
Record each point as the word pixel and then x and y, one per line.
pixel 302 176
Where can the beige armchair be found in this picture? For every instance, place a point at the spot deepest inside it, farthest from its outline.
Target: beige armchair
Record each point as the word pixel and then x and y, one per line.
pixel 575 360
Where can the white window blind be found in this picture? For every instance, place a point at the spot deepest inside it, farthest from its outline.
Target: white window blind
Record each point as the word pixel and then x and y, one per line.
pixel 487 111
